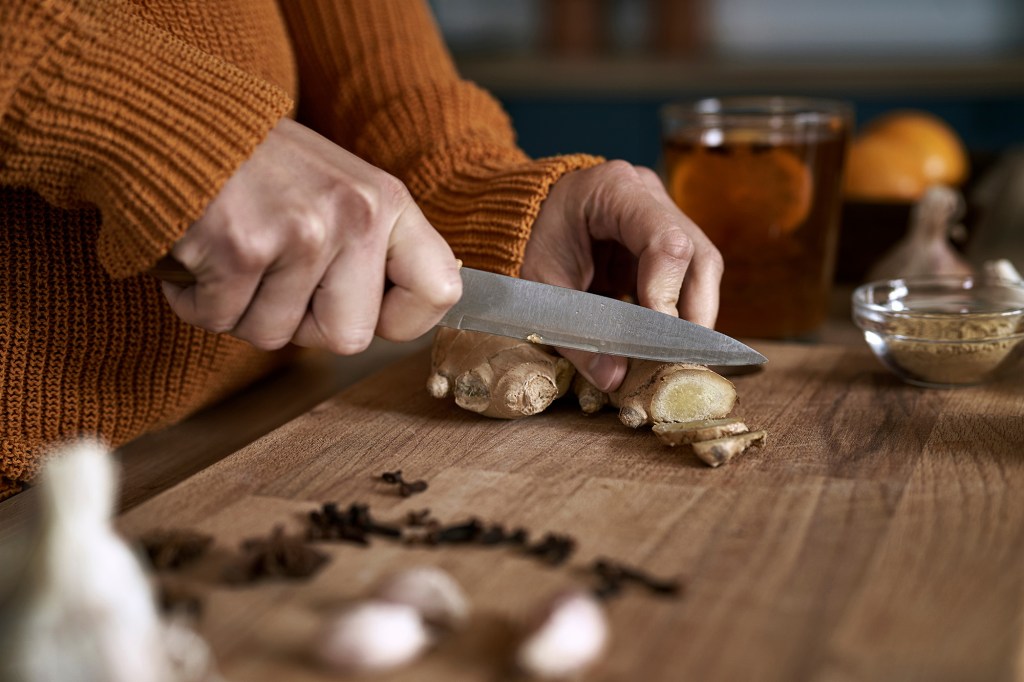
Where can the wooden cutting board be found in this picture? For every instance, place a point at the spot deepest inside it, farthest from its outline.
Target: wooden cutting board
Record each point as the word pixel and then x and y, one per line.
pixel 878 536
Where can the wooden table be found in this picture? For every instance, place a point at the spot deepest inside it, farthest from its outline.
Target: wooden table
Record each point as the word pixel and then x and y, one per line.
pixel 878 536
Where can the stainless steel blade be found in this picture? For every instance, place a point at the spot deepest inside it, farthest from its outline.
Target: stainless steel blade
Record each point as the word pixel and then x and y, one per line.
pixel 567 318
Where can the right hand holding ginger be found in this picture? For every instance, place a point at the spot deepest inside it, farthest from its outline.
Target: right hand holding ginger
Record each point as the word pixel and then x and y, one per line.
pixel 298 245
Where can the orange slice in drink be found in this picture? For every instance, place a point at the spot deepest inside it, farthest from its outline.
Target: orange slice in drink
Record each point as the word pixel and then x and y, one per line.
pixel 743 189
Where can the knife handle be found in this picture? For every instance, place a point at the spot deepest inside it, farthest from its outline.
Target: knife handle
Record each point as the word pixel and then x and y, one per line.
pixel 169 269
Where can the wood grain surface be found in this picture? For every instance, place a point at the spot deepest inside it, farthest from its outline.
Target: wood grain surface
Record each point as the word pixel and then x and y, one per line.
pixel 878 536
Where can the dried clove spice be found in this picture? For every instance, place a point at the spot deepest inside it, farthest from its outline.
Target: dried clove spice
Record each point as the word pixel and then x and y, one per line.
pixel 613 575
pixel 420 527
pixel 553 549
pixel 607 588
pixel 405 488
pixel 493 535
pixel 460 533
pixel 496 534
pixel 519 537
pixel 353 525
pixel 170 549
pixel 420 518
pixel 175 598
pixel 327 523
pixel 277 556
pixel 359 515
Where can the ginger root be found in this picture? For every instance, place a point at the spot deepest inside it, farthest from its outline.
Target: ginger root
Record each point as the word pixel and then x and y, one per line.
pixel 591 398
pixel 496 376
pixel 658 392
pixel 510 378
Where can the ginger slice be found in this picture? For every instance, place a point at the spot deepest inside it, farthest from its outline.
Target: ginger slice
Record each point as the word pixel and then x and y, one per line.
pixel 720 450
pixel 496 376
pixel 687 433
pixel 658 392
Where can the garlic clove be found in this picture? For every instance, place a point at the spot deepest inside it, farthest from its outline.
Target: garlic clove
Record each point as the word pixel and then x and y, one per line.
pixel 373 636
pixel 568 635
pixel 432 592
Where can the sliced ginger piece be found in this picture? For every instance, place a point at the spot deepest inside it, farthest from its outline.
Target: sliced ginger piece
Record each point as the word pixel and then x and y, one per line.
pixel 718 451
pixel 687 433
pixel 658 392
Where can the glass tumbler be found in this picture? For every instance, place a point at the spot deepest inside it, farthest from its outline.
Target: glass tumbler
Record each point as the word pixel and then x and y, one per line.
pixel 762 177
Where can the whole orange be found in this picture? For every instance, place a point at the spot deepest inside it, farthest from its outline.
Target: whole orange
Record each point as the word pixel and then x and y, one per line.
pixel 899 154
pixel 942 153
pixel 883 169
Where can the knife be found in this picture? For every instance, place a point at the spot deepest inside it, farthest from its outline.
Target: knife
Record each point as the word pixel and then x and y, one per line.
pixel 566 318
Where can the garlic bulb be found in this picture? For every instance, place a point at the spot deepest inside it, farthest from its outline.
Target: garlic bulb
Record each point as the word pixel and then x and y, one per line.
pixel 85 610
pixel 925 250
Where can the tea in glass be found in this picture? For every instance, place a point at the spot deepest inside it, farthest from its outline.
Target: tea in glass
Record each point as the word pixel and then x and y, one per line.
pixel 762 178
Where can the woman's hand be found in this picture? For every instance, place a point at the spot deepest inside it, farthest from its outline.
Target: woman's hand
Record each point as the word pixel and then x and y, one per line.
pixel 679 269
pixel 298 245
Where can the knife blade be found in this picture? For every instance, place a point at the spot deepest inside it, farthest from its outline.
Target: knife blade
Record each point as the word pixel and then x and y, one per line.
pixel 566 318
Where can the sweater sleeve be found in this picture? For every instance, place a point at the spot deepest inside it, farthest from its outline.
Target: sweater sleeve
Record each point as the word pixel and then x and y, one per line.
pixel 377 79
pixel 99 108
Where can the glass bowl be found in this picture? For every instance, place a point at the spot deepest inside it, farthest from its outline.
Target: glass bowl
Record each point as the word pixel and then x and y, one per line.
pixel 943 331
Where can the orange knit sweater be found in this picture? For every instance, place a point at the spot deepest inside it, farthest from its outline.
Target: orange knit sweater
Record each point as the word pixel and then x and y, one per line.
pixel 119 122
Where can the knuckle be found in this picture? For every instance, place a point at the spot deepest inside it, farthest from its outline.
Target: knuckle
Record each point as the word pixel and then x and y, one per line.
pixel 676 244
pixel 308 232
pixel 392 190
pixel 267 343
pixel 444 293
pixel 646 174
pixel 366 207
pixel 620 171
pixel 356 211
pixel 218 323
pixel 351 341
pixel 714 261
pixel 247 253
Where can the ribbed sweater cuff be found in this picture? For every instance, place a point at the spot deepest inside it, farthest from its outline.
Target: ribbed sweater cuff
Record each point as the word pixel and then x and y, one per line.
pixel 484 200
pixel 453 146
pixel 122 115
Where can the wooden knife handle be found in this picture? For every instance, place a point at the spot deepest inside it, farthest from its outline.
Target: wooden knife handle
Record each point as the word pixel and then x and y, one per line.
pixel 169 269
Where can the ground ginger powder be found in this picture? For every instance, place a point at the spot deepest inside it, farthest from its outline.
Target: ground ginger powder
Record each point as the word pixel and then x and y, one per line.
pixel 957 350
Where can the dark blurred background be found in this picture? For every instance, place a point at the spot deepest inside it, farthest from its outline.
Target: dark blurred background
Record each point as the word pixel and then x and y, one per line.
pixel 589 75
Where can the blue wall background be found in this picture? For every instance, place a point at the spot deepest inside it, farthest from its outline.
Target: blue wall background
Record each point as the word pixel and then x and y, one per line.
pixel 628 129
